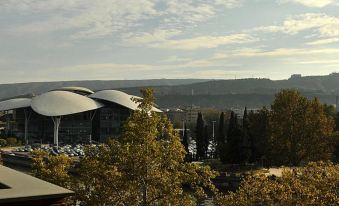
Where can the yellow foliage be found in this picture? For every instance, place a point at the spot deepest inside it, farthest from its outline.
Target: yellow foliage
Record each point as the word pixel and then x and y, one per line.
pixel 315 184
pixel 54 169
pixel 145 166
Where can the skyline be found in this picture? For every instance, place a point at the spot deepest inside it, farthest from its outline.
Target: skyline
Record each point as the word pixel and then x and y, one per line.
pixel 153 39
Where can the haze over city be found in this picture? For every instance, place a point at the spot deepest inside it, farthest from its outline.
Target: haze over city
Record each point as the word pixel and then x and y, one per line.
pixel 213 39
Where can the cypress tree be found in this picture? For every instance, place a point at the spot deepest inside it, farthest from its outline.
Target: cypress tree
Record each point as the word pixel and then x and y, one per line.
pixel 185 139
pixel 259 134
pixel 232 149
pixel 206 141
pixel 337 121
pixel 221 139
pixel 199 138
pixel 245 140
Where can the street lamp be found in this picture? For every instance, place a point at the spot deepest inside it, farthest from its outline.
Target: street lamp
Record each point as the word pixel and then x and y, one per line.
pixel 213 129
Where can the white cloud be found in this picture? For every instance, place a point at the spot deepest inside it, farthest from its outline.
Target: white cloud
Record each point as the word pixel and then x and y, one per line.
pixel 161 40
pixel 324 41
pixel 276 53
pixel 327 61
pixel 205 42
pixel 188 11
pixel 97 18
pixel 172 59
pixel 311 3
pixel 158 35
pixel 326 26
pixel 229 3
pixel 90 18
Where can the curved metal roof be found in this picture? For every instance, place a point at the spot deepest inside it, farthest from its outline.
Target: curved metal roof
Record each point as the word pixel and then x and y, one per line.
pixel 59 103
pixel 154 109
pixel 115 96
pixel 75 89
pixel 118 97
pixel 15 104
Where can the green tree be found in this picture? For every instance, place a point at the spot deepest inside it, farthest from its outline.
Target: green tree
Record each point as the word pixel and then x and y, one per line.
pixel 145 166
pixel 206 140
pixel 185 140
pixel 259 135
pixel 330 110
pixel 337 121
pixel 315 184
pixel 335 140
pixel 300 129
pixel 3 143
pixel 200 136
pixel 245 139
pixel 232 150
pixel 221 136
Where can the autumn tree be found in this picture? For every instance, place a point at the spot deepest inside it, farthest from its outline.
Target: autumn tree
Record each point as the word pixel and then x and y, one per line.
pixel 300 129
pixel 54 169
pixel 144 166
pixel 315 184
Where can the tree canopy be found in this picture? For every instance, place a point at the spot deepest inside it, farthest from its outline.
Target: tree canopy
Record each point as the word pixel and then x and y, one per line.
pixel 315 184
pixel 300 129
pixel 144 166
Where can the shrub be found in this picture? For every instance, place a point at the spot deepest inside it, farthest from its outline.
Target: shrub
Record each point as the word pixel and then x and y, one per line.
pixel 3 143
pixel 12 141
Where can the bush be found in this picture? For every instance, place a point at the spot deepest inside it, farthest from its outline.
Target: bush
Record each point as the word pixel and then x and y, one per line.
pixel 3 143
pixel 12 141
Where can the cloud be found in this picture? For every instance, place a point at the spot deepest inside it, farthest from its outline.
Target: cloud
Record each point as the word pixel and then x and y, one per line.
pixel 91 18
pixel 327 61
pixel 326 26
pixel 324 41
pixel 229 3
pixel 98 18
pixel 143 38
pixel 278 53
pixel 181 12
pixel 310 3
pixel 205 42
pixel 161 40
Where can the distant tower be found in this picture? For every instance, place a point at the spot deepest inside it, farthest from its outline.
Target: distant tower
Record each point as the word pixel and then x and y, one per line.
pixel 337 103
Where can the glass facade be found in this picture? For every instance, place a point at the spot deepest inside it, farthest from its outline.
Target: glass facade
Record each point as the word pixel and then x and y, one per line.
pixel 76 128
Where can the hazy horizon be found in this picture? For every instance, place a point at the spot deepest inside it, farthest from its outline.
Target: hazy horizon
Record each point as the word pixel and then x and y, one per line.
pixel 161 79
pixel 75 40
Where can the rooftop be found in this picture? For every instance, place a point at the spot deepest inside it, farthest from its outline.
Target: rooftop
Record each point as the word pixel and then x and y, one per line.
pixel 19 187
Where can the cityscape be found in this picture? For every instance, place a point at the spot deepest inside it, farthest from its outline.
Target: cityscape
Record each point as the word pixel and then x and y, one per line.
pixel 153 102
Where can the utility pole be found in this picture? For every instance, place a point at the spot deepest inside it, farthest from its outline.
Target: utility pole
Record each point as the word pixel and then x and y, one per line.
pixel 213 122
pixel 183 128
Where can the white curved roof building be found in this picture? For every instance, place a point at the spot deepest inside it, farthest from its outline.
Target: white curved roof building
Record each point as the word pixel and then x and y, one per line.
pixel 81 90
pixel 61 103
pixel 15 104
pixel 71 113
pixel 117 97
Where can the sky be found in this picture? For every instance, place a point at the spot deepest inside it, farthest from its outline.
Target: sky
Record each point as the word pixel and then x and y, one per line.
pixel 53 40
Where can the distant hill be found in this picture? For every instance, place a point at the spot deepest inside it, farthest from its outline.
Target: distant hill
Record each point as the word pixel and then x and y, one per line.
pixel 243 92
pixel 200 92
pixel 22 89
pixel 311 84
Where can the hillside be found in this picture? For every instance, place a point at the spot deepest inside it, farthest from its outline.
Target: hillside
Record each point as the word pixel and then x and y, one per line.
pixel 19 89
pixel 205 93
